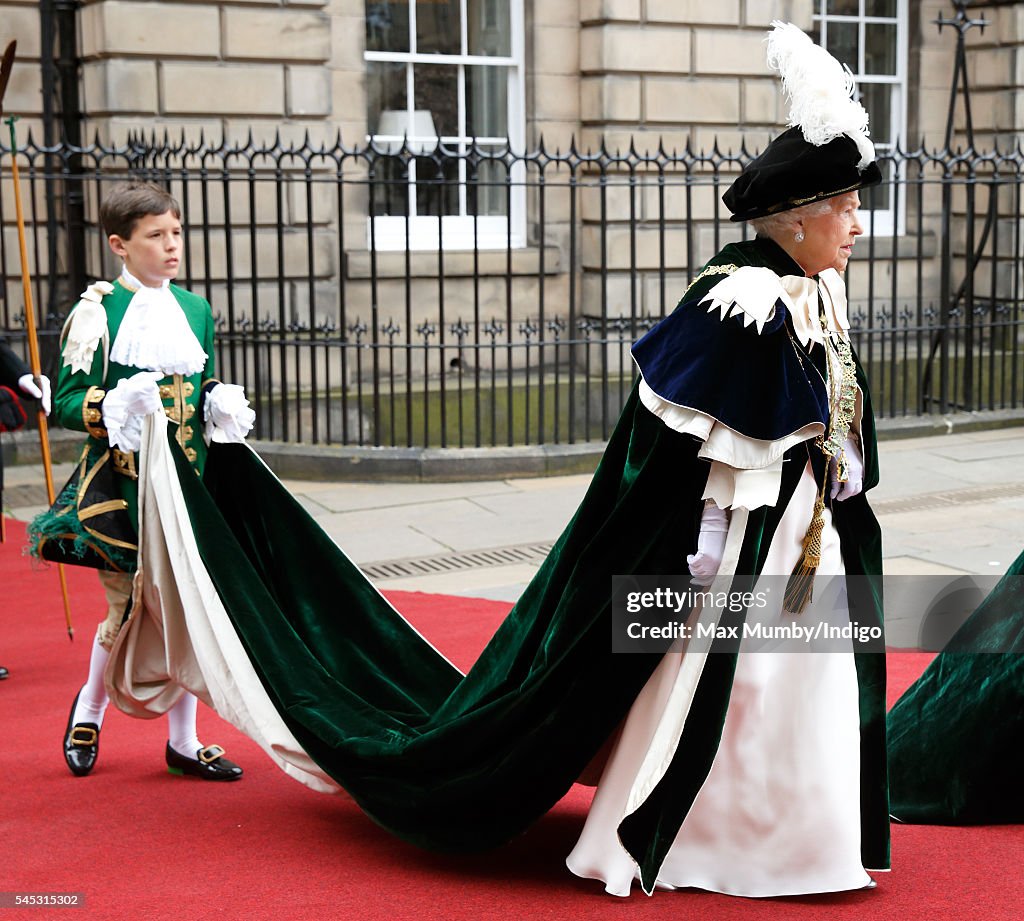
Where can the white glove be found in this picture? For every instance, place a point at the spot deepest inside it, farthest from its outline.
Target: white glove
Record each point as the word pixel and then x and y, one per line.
pixel 141 393
pixel 854 484
pixel 125 406
pixel 41 392
pixel 227 414
pixel 714 528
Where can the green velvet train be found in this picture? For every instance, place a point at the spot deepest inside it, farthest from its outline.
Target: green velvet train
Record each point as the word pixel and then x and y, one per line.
pixel 956 736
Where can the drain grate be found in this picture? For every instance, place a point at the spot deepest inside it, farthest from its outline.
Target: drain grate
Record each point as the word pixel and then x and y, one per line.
pixel 534 553
pixel 953 497
pixel 454 562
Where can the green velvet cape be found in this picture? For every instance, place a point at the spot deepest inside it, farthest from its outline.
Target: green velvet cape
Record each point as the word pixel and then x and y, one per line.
pixel 463 763
pixel 956 735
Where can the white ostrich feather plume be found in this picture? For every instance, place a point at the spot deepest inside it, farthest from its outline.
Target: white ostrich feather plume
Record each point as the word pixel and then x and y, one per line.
pixel 819 89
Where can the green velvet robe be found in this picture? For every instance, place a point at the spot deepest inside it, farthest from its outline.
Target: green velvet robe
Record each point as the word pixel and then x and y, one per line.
pixel 463 763
pixel 956 736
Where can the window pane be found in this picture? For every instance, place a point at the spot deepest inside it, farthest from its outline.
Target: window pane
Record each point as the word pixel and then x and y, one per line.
pixel 490 31
pixel 436 90
pixel 880 8
pixel 438 26
pixel 387 25
pixel 842 8
pixel 842 42
pixel 877 99
pixel 879 49
pixel 487 189
pixel 437 186
pixel 385 92
pixel 487 101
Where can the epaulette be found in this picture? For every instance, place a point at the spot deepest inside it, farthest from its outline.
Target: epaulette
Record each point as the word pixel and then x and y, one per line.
pixel 85 328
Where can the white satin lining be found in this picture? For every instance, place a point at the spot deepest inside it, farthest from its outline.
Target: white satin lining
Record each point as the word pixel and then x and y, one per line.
pixel 180 636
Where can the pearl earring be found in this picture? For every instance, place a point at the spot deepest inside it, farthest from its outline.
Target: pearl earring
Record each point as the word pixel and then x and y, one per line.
pixel 799 236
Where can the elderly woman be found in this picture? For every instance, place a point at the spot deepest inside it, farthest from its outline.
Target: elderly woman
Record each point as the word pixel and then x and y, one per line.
pixel 763 773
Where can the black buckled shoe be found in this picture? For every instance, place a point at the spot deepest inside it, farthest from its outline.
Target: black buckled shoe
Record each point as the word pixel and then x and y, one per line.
pixel 209 764
pixel 81 744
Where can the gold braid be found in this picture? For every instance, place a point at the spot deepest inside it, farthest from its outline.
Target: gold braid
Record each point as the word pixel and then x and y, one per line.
pixel 842 405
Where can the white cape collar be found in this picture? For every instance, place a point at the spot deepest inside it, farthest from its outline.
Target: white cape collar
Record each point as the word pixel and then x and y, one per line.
pixel 751 292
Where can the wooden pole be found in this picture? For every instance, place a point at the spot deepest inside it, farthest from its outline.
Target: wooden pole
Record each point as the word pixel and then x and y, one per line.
pixel 30 325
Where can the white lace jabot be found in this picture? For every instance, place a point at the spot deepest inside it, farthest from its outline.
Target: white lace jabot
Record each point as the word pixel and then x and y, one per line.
pixel 155 334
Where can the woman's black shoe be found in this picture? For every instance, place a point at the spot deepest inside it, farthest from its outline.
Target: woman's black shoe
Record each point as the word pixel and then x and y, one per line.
pixel 209 763
pixel 3 673
pixel 81 744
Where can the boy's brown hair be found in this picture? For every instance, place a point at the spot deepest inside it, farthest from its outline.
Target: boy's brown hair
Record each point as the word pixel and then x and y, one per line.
pixel 126 203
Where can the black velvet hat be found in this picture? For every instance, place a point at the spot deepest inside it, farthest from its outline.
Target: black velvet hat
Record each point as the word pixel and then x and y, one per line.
pixel 790 172
pixel 825 152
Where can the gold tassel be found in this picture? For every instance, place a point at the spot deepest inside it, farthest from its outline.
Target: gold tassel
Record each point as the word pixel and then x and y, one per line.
pixel 800 588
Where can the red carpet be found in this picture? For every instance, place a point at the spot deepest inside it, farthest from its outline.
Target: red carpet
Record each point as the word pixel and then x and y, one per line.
pixel 141 844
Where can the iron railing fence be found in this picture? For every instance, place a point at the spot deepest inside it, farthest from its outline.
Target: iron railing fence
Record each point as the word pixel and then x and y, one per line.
pixel 348 324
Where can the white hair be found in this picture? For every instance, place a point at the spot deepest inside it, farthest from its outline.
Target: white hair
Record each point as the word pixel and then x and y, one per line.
pixel 775 226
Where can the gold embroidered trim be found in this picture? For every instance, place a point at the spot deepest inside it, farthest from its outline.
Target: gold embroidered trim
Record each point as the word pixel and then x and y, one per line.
pixel 820 196
pixel 124 463
pixel 727 269
pixel 92 415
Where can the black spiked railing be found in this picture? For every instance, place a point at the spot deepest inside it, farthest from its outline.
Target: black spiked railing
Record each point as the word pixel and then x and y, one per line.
pixel 348 324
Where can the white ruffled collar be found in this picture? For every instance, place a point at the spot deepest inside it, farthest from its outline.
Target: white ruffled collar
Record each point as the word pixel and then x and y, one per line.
pixel 155 334
pixel 803 305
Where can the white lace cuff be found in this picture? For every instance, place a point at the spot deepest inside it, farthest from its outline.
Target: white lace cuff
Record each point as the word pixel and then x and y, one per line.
pixel 124 429
pixel 227 414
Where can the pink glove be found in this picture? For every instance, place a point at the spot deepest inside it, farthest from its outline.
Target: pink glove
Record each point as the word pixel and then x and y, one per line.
pixel 854 484
pixel 714 528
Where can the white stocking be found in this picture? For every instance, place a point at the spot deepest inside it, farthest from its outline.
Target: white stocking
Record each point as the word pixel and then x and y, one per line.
pixel 181 726
pixel 93 700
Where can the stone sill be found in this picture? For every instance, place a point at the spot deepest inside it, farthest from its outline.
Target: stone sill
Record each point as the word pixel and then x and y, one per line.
pixel 456 263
